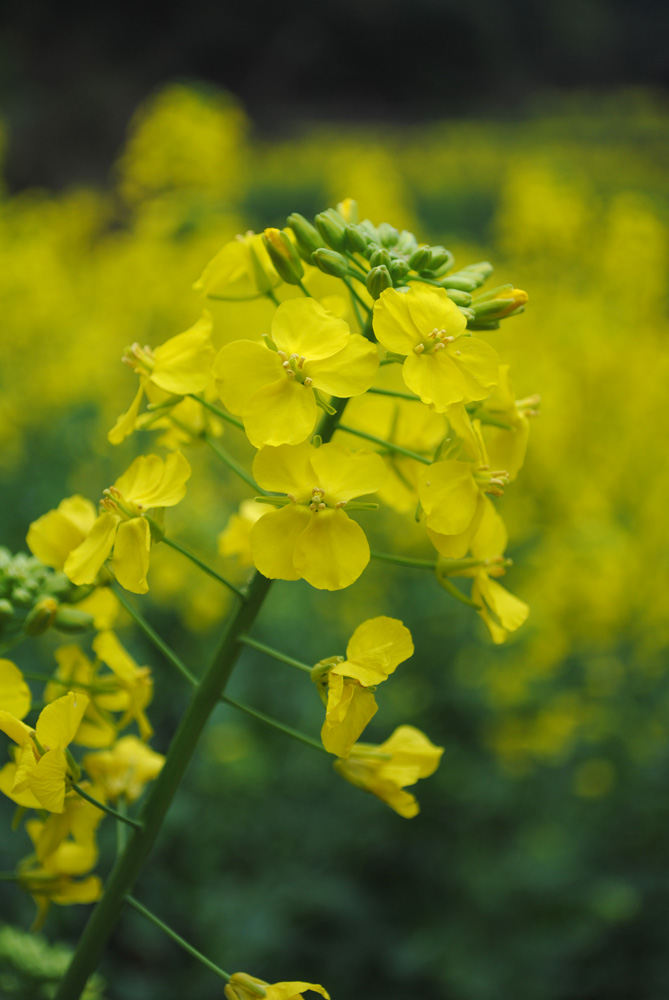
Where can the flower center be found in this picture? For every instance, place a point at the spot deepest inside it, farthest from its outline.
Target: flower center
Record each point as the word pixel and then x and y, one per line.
pixel 293 366
pixel 435 341
pixel 319 502
pixel 139 358
pixel 113 500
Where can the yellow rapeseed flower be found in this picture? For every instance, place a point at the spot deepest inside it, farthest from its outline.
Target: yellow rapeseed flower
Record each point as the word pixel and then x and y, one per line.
pixel 125 770
pixel 441 365
pixel 244 987
pixel 240 270
pixel 274 391
pixel 311 536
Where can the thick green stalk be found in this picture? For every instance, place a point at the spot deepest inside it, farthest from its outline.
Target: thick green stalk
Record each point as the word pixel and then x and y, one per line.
pixel 130 864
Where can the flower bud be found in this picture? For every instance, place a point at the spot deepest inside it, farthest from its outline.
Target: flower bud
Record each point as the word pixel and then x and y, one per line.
pixel 6 610
pixel 461 282
pixel 348 209
pixel 388 234
pixel 283 255
pixel 331 262
pixel 72 620
pixel 41 616
pixel 379 257
pixel 307 236
pixel 331 228
pixel 378 280
pixel 483 268
pixel 460 298
pixel 439 257
pixel 420 259
pixel 398 269
pixel 356 241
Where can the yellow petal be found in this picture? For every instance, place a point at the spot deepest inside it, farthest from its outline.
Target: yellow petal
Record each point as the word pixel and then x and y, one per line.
pixel 274 538
pixel 52 537
pixel 26 762
pixel 345 474
pixel 349 372
pixel 305 328
pixel 183 363
pixel 103 605
pixel 457 546
pixel 125 424
pixel 241 369
pixel 281 413
pixel 83 563
pixel 88 890
pixel 130 562
pixel 15 696
pixel 331 552
pixel 152 482
pixel 111 652
pixel 508 609
pixel 58 723
pixel 491 536
pixel 412 753
pixel 293 991
pixel 376 649
pixel 26 799
pixel 349 708
pixel 286 469
pixel 393 324
pixel 47 780
pixel 449 496
pixel 14 728
pixel 435 379
pixel 431 308
pixel 478 365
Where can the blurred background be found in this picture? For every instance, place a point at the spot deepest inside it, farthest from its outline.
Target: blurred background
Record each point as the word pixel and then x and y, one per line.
pixel 534 135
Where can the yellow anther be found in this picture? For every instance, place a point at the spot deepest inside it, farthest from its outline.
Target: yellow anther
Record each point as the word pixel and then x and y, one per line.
pixel 308 381
pixel 419 348
pixel 321 506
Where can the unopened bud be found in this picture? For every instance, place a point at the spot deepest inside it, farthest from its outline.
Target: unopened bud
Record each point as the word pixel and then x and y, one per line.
pixel 460 298
pixel 331 262
pixel 439 256
pixel 399 269
pixel 420 259
pixel 482 267
pixel 332 229
pixel 41 616
pixel 461 282
pixel 378 280
pixel 307 236
pixel 72 620
pixel 348 209
pixel 380 256
pixel 388 234
pixel 283 255
pixel 356 241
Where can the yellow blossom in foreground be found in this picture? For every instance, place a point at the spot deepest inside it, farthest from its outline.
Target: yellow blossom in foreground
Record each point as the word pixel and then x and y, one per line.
pixel 274 390
pixel 240 270
pixel 148 483
pixel 179 366
pixel 43 765
pixel 311 536
pixel 374 651
pixel 442 365
pixel 52 537
pixel 385 770
pixel 244 987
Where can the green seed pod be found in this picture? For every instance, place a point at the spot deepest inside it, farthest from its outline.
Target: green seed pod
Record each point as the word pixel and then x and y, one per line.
pixel 331 262
pixel 378 280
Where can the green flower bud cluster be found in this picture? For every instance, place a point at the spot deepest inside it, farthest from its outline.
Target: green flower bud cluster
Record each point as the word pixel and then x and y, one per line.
pixel 385 257
pixel 34 597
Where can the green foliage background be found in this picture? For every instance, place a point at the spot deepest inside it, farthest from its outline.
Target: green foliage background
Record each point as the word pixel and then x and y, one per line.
pixel 537 867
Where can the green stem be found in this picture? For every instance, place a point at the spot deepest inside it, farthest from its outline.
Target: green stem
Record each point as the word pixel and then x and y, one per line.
pixel 136 905
pixel 455 592
pixel 273 723
pixel 218 411
pixel 8 877
pixel 154 638
pixel 206 569
pixel 386 444
pixel 129 865
pixel 300 285
pixel 272 297
pixel 107 809
pixel 232 463
pixel 121 831
pixel 31 675
pixel 404 560
pixel 274 653
pixel 392 392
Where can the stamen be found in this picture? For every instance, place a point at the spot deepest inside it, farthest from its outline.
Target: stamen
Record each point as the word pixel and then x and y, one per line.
pixel 283 355
pixel 458 353
pixel 300 363
pixel 290 373
pixel 308 381
pixel 342 503
pixel 439 347
pixel 285 364
pixel 419 348
pixel 321 506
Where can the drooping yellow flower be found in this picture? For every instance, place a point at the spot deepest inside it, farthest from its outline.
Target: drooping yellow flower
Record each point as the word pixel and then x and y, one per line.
pixel 148 483
pixel 65 850
pixel 273 391
pixel 385 770
pixel 43 765
pixel 240 270
pixel 452 496
pixel 442 365
pixel 15 695
pixel 125 770
pixel 244 987
pixel 374 651
pixel 506 423
pixel 501 611
pixel 179 366
pixel 312 537
pixel 52 536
